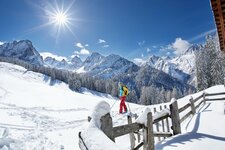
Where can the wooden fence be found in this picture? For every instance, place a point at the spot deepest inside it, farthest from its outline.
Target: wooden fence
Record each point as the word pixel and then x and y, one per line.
pixel 158 126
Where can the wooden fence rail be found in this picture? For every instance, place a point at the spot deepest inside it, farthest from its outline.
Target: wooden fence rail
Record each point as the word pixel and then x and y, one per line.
pixel 214 94
pixel 163 120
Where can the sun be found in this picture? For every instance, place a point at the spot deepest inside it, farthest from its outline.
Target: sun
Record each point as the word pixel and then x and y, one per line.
pixel 60 18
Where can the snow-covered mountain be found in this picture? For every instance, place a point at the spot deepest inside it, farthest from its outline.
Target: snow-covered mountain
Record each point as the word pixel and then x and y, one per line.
pixel 109 66
pixel 23 50
pixel 181 67
pixel 151 76
pixel 95 65
pixel 76 62
pixel 56 63
pixel 92 61
pixel 72 64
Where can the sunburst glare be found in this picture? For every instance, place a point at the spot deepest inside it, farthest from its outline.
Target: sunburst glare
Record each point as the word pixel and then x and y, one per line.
pixel 59 17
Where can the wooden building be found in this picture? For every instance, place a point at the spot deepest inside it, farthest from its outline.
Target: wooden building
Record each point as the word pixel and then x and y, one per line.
pixel 218 7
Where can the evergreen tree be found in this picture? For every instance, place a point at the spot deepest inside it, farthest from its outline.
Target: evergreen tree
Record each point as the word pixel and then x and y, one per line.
pixel 132 97
pixel 209 64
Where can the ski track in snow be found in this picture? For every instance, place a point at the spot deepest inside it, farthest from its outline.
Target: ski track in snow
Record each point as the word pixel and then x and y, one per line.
pixel 26 134
pixel 44 122
pixel 3 92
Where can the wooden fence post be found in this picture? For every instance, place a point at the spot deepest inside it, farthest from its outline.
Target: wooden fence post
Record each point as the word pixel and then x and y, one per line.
pixel 224 81
pixel 203 95
pixel 148 134
pixel 145 138
pixel 138 134
pixel 175 118
pixel 163 125
pixel 132 138
pixel 192 106
pixel 107 126
pixel 167 121
pixel 157 125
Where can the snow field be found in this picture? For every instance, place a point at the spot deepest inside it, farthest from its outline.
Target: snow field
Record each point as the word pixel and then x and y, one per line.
pixel 42 115
pixel 38 114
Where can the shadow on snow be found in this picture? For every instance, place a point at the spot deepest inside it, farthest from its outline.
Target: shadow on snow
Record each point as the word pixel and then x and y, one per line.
pixel 190 136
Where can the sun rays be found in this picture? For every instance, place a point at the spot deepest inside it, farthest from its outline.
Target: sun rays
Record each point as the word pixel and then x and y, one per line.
pixel 56 16
pixel 59 17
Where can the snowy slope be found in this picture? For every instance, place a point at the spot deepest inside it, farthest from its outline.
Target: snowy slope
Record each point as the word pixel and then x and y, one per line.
pixel 38 114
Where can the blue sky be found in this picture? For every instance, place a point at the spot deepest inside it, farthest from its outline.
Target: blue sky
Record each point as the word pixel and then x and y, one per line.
pixel 130 28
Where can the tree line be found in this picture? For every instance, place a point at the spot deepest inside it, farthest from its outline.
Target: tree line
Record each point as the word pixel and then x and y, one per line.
pixel 145 95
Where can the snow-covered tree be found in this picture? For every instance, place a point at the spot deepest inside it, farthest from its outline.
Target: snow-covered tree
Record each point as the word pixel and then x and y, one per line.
pixel 74 81
pixel 209 64
pixel 132 97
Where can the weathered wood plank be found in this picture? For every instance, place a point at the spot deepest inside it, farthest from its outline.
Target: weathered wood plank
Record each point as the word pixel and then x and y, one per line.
pixel 196 107
pixel 157 125
pixel 175 118
pixel 131 134
pixel 216 99
pixel 125 129
pixel 139 145
pixel 214 94
pixel 145 138
pixel 107 126
pixel 186 116
pixel 138 133
pixel 192 105
pixel 197 98
pixel 167 121
pixel 164 134
pixel 203 95
pixel 184 107
pixel 161 118
pixel 163 126
pixel 150 137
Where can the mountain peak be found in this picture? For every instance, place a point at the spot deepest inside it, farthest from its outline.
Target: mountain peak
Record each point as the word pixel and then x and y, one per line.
pixel 23 50
pixel 114 56
pixel 96 54
pixel 92 61
pixel 194 48
pixel 166 57
pixel 152 60
pixel 76 61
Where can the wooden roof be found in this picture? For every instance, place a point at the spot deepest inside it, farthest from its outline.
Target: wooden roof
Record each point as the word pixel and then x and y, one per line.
pixel 218 7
